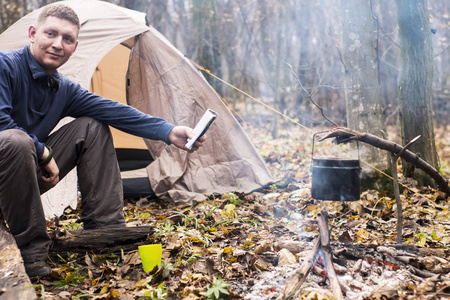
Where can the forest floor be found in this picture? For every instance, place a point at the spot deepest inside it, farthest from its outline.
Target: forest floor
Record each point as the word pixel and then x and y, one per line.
pixel 247 246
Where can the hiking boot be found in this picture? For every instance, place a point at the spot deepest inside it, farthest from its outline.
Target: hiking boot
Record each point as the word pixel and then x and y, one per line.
pixel 37 269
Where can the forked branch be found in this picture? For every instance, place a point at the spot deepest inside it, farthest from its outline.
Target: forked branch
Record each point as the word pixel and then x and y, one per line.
pixel 345 135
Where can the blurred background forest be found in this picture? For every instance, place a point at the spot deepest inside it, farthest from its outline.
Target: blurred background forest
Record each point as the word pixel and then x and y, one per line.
pixel 281 51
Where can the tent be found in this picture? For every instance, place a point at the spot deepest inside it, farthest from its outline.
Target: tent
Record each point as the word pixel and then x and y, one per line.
pixel 123 59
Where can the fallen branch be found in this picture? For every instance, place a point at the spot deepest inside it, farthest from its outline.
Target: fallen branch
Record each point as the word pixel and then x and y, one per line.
pixel 100 240
pixel 344 135
pixel 419 261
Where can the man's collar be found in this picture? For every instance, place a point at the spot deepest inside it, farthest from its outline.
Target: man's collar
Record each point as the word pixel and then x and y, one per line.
pixel 38 71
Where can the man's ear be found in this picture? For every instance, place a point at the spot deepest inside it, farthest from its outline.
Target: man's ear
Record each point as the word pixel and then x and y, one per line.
pixel 76 46
pixel 31 33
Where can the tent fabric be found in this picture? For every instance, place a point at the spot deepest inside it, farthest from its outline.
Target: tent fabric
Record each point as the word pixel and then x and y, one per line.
pixel 162 83
pixel 178 92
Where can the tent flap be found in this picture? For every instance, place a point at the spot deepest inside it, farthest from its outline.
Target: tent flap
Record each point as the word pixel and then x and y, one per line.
pixel 164 83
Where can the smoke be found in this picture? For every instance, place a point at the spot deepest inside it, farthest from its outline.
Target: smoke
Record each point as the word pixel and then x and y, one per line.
pixel 251 44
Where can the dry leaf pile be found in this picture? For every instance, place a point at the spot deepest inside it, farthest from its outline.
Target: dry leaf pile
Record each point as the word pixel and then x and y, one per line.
pixel 236 246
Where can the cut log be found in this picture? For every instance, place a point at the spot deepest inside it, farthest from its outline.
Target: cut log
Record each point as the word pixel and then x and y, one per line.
pixel 100 240
pixel 14 281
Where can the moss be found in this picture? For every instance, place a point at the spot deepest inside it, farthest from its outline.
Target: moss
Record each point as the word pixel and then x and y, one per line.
pixel 423 179
pixel 373 180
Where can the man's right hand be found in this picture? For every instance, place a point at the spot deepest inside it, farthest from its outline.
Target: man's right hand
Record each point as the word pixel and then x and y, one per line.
pixel 50 172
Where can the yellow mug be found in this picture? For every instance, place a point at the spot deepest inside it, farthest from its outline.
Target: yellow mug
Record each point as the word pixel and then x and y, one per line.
pixel 150 256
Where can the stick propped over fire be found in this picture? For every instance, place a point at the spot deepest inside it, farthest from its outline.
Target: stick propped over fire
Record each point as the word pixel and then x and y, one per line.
pixel 344 135
pixel 321 247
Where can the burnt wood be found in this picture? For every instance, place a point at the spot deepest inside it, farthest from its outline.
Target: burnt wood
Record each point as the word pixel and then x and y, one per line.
pixel 296 281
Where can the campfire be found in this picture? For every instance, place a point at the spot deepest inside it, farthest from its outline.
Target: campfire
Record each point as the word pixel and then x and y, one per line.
pixel 321 247
pixel 348 270
pixel 345 270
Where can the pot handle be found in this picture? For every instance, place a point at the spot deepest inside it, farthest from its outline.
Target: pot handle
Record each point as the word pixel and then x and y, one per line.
pixel 314 138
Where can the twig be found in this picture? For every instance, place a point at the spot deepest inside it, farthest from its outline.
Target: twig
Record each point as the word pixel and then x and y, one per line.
pixel 395 157
pixel 309 96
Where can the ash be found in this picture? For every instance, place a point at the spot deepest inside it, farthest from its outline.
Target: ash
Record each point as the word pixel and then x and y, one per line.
pixel 355 285
pixel 268 284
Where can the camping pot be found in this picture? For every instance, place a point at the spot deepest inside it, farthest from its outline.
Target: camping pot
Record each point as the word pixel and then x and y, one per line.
pixel 335 178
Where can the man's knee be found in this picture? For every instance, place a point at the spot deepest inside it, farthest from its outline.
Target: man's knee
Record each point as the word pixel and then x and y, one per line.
pixel 15 142
pixel 93 125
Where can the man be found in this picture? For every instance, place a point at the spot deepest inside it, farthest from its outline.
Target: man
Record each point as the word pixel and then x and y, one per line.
pixel 34 96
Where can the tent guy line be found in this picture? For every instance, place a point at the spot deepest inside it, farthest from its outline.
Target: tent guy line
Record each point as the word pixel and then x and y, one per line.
pixel 291 120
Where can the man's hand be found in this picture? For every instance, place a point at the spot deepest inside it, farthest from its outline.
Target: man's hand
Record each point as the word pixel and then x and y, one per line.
pixel 50 172
pixel 179 135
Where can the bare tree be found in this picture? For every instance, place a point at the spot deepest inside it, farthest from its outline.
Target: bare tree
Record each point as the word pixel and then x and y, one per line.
pixel 362 88
pixel 415 83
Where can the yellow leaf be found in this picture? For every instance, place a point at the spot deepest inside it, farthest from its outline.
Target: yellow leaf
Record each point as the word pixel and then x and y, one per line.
pixel 363 234
pixel 227 250
pixel 104 289
pixel 248 244
pixel 113 294
pixel 224 230
pixel 232 260
pixel 311 207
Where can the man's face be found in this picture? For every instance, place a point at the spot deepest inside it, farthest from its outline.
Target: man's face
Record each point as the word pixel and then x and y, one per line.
pixel 53 42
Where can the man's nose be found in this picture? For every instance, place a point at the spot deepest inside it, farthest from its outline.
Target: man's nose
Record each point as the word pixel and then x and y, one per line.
pixel 57 43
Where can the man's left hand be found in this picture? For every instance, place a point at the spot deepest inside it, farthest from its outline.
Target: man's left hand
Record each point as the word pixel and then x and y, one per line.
pixel 179 135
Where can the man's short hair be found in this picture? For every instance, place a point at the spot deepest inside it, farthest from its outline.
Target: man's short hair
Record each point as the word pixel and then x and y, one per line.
pixel 60 11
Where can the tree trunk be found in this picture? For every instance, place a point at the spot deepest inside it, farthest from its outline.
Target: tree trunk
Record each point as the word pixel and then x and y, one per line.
pixel 157 15
pixel 206 27
pixel 362 88
pixel 307 61
pixel 415 83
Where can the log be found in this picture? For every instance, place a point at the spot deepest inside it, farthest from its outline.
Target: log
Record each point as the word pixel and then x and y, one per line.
pixel 345 135
pixel 100 240
pixel 14 281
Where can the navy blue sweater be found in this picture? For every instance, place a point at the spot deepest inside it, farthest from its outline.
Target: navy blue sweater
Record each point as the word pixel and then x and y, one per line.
pixel 33 101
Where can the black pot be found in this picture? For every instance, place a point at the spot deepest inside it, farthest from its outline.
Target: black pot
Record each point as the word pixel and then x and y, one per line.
pixel 335 179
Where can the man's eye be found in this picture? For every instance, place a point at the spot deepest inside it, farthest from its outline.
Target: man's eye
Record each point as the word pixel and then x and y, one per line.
pixel 51 34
